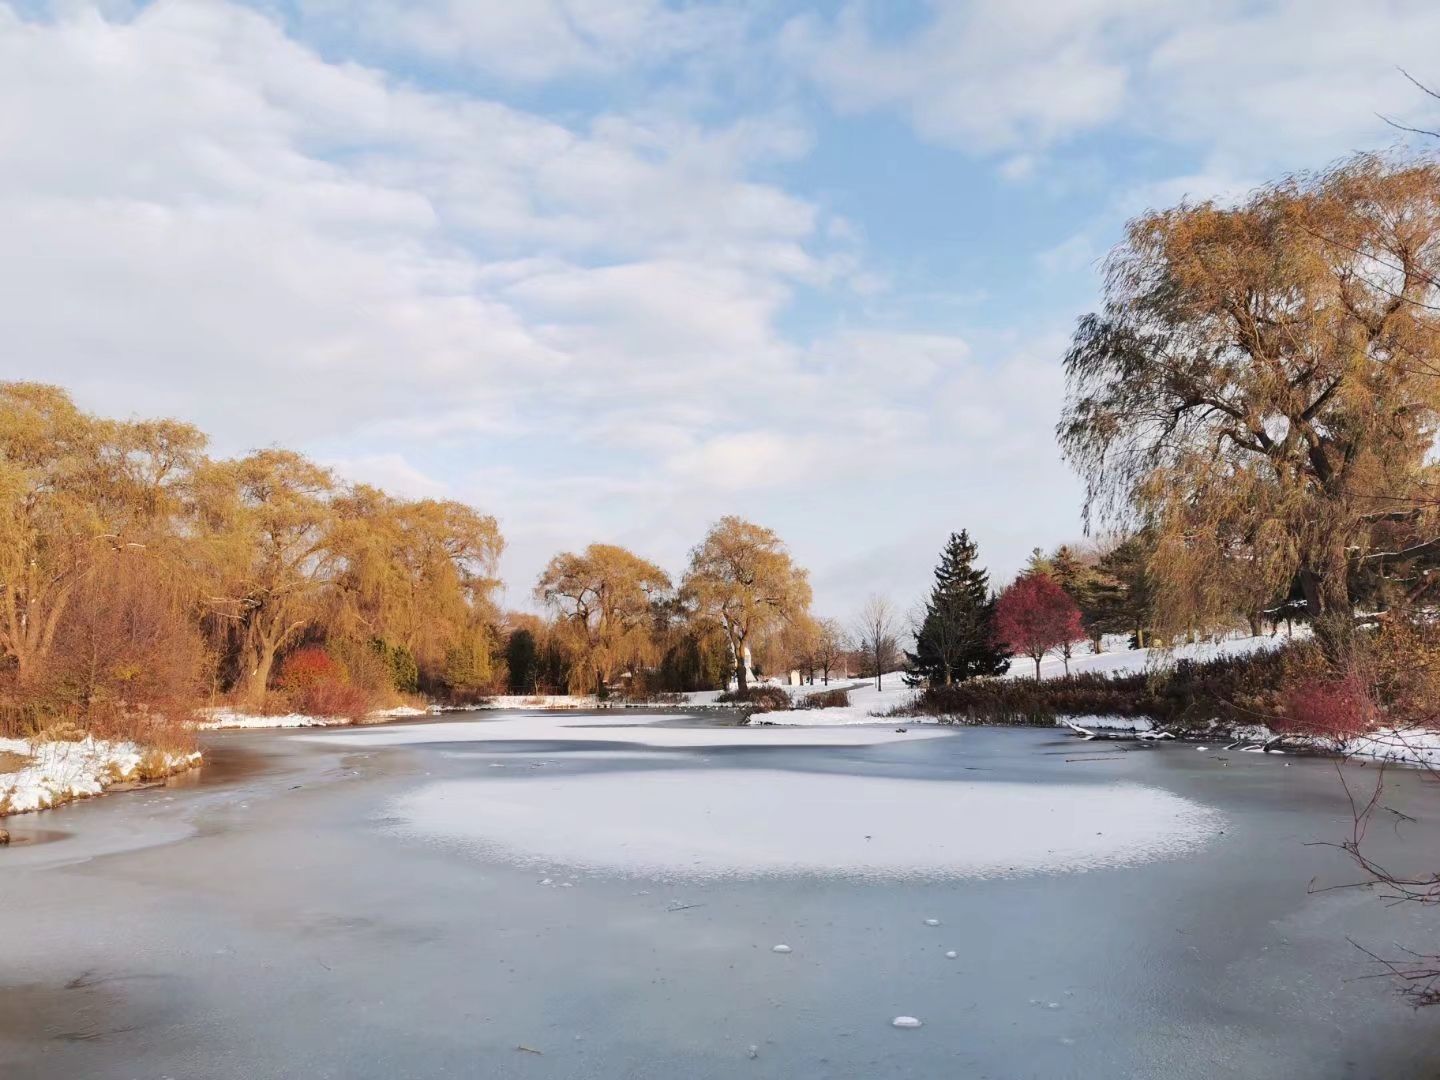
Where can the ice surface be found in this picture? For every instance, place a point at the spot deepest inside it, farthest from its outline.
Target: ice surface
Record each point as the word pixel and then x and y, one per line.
pixel 723 822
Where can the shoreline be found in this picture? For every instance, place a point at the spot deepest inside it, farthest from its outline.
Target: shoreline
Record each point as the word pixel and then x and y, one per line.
pixel 67 772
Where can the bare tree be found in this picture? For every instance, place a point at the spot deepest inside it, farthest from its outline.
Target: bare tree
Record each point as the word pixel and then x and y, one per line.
pixel 830 647
pixel 877 635
pixel 1418 973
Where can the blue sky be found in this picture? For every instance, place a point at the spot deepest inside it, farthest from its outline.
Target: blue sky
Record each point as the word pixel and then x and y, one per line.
pixel 612 268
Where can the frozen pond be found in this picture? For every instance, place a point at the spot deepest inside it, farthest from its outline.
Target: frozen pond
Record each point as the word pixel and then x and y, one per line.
pixel 442 899
pixel 745 822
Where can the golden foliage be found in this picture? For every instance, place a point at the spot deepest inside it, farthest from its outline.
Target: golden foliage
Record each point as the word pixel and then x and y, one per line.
pixel 742 576
pixel 606 598
pixel 1262 387
pixel 135 573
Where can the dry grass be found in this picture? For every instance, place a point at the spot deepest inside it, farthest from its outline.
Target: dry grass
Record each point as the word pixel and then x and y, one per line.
pixel 12 762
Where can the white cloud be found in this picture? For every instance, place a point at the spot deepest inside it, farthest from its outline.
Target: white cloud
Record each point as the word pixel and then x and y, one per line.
pixel 988 75
pixel 1273 83
pixel 531 39
pixel 747 460
pixel 250 218
pixel 390 472
pixel 580 326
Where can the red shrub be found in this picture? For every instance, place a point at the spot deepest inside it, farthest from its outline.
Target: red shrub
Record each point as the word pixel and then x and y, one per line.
pixel 333 699
pixel 308 666
pixel 1334 708
pixel 315 683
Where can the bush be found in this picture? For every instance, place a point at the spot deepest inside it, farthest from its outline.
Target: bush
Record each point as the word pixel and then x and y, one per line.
pixel 315 683
pixel 759 698
pixel 825 699
pixel 365 667
pixel 1237 690
pixel 1401 664
pixel 126 662
pixel 1338 708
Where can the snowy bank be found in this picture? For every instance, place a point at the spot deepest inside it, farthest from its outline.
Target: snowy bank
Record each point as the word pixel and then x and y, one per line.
pixel 1395 746
pixel 60 771
pixel 539 701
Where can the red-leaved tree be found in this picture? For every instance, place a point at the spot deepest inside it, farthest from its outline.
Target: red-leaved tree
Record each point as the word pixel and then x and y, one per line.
pixel 1035 615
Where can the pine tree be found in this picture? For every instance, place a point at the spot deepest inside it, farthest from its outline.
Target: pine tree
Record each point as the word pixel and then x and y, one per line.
pixel 1127 565
pixel 956 639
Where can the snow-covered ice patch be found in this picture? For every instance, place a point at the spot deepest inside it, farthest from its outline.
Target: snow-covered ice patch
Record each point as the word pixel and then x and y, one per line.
pixel 723 822
pixel 612 728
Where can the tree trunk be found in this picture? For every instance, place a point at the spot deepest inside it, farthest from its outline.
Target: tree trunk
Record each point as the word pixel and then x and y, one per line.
pixel 1326 588
pixel 257 680
pixel 742 677
pixel 1037 667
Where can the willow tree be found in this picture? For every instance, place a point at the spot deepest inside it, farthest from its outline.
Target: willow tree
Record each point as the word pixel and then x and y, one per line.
pixel 742 576
pixel 605 597
pixel 418 575
pixel 267 527
pixel 1261 386
pixel 75 491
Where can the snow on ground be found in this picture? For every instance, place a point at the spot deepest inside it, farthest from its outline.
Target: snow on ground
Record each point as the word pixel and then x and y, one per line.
pixel 61 771
pixel 867 704
pixel 1396 746
pixel 1415 746
pixel 231 718
pixel 1107 723
pixel 1125 661
pixel 662 822
pixel 540 701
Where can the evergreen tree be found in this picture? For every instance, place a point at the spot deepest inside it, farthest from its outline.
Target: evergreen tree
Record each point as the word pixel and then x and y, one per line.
pixel 1131 608
pixel 956 640
pixel 1069 572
